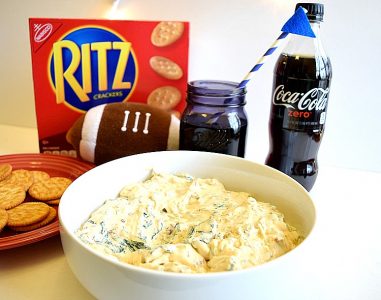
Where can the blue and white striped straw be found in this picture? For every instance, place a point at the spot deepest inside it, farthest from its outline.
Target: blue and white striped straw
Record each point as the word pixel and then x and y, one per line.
pixel 262 60
pixel 297 24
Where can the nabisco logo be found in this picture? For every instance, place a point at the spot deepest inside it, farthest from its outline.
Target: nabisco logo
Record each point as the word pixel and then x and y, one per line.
pixel 42 32
pixel 314 99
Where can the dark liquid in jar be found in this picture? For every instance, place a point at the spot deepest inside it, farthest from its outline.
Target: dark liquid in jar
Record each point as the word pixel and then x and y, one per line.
pixel 200 133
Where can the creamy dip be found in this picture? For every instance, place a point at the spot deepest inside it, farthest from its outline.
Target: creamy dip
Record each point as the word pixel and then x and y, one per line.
pixel 180 223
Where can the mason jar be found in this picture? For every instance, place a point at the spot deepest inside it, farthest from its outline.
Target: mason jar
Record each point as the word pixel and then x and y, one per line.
pixel 214 119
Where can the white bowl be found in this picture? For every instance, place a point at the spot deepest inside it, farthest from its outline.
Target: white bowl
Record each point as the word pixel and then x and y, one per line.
pixel 107 278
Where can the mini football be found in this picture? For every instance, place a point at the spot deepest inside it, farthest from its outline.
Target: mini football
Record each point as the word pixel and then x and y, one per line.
pixel 114 130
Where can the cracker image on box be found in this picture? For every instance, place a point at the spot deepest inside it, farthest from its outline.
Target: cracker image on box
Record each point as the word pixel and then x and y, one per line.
pixel 166 33
pixel 165 97
pixel 166 67
pixel 115 130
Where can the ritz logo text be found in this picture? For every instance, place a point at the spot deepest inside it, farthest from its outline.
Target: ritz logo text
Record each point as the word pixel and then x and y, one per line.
pixel 90 66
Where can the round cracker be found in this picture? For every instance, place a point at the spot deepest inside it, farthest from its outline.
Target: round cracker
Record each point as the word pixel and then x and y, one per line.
pixel 53 202
pixel 49 189
pixel 39 175
pixel 11 195
pixel 5 171
pixel 166 33
pixel 166 67
pixel 27 213
pixel 3 218
pixel 49 218
pixel 165 97
pixel 20 177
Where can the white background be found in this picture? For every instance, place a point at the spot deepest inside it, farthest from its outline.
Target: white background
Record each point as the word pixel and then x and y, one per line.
pixel 227 38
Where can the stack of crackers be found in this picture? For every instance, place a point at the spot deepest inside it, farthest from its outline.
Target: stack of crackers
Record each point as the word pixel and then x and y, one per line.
pixel 19 214
pixel 166 97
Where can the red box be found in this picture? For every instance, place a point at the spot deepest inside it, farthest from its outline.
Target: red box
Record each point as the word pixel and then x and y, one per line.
pixel 79 64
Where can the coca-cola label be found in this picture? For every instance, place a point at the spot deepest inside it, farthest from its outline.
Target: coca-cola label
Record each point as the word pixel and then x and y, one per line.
pixel 301 109
pixel 314 99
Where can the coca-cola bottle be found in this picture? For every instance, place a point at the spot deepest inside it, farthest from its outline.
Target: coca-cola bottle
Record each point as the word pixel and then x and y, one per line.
pixel 302 77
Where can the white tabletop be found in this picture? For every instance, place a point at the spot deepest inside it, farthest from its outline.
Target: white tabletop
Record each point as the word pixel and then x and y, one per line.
pixel 348 234
pixel 345 263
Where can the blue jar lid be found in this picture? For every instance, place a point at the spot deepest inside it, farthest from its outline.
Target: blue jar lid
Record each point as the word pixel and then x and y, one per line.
pixel 216 93
pixel 217 88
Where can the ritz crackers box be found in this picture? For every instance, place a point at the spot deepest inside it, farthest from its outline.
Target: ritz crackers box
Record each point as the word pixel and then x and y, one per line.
pixel 78 64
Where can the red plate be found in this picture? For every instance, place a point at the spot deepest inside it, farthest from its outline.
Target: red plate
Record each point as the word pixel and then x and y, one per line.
pixel 54 165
